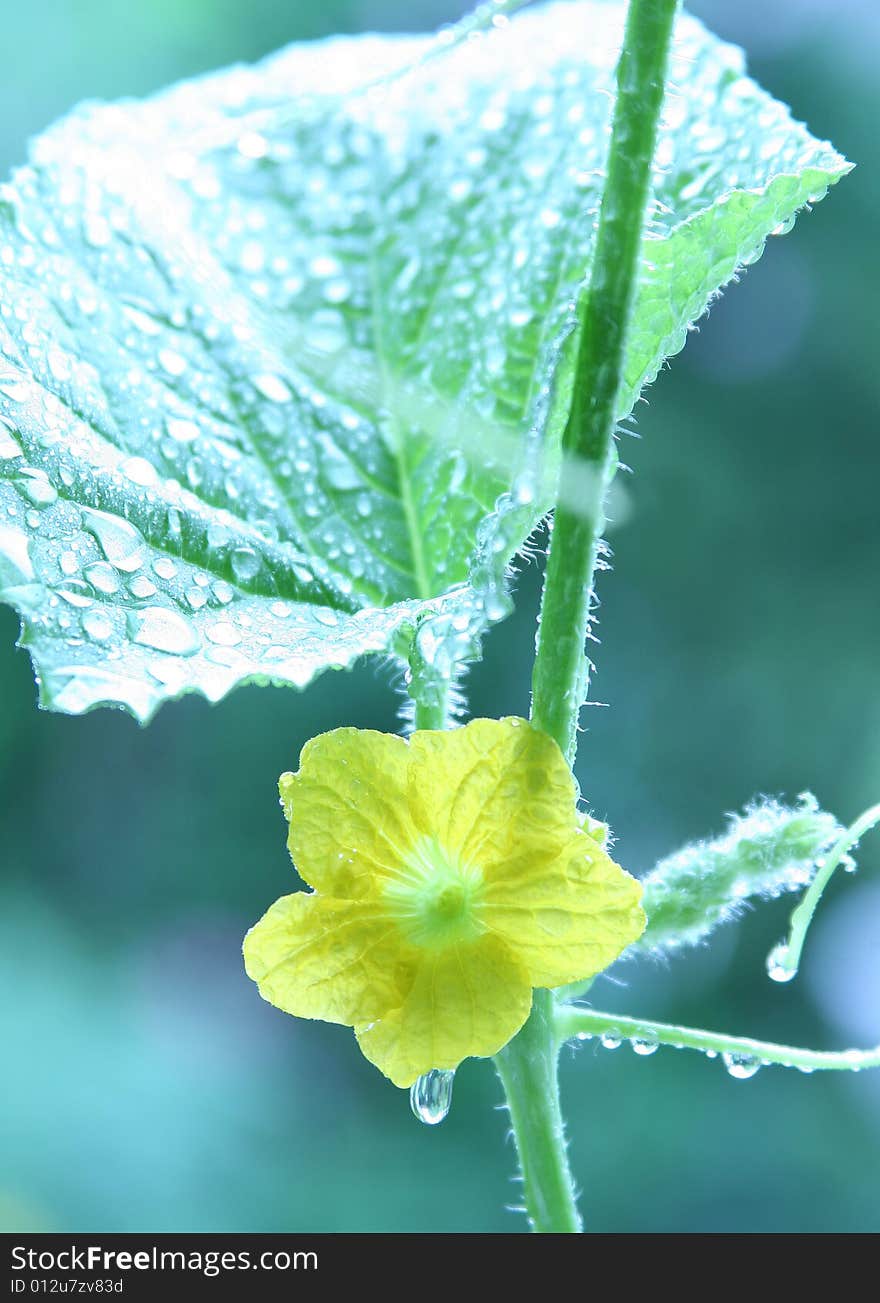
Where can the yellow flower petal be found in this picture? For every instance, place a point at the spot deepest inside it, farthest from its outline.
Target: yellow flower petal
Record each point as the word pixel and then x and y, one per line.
pixel 467 999
pixel 338 960
pixel 348 811
pixel 482 788
pixel 566 919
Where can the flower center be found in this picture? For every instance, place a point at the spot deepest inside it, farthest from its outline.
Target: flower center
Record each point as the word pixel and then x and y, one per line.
pixel 436 898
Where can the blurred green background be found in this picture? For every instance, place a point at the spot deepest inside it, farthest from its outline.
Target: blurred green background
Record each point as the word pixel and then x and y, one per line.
pixel 145 1085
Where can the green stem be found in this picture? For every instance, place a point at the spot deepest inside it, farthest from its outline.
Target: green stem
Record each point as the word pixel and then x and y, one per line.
pixel 559 684
pixel 572 1022
pixel 432 709
pixel 527 1068
pixel 561 673
pixel 788 956
pixel 431 690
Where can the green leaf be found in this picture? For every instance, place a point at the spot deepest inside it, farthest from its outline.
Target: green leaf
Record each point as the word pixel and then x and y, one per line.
pixel 285 351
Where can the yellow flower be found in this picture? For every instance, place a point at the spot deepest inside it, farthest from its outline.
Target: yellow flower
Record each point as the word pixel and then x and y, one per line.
pixel 451 875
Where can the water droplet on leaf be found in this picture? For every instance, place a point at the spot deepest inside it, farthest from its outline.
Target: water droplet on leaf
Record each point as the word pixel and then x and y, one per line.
pixel 165 630
pixel 121 543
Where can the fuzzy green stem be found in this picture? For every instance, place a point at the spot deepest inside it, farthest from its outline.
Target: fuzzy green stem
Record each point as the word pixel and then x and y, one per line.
pixel 572 1022
pixel 561 674
pixel 527 1068
pixel 528 1065
pixel 431 682
pixel 432 711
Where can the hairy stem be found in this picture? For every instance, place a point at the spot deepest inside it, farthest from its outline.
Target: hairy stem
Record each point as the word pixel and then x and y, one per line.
pixel 527 1068
pixel 560 680
pixel 433 709
pixel 572 1022
pixel 561 673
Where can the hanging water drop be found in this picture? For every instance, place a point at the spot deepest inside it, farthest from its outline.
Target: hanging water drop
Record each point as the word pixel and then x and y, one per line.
pixel 779 965
pixel 741 1066
pixel 431 1096
pixel 611 1039
pixel 644 1045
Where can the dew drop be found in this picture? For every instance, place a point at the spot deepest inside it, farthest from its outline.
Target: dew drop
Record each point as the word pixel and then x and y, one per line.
pixel 97 626
pixel 253 145
pixel 495 607
pixel 741 1066
pixel 102 577
pixel 325 265
pixel 430 1096
pixel 9 448
pixel 172 363
pixel 779 967
pixel 139 471
pixel 326 331
pixel 223 634
pixel 142 587
pixel 121 543
pixel 181 430
pixel 612 1039
pixel 645 1045
pixel 37 489
pixel 166 631
pixel 222 591
pixel 337 291
pixel 14 548
pixel 245 563
pixel 165 567
pixel 272 386
pixel 14 385
pixel 218 535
